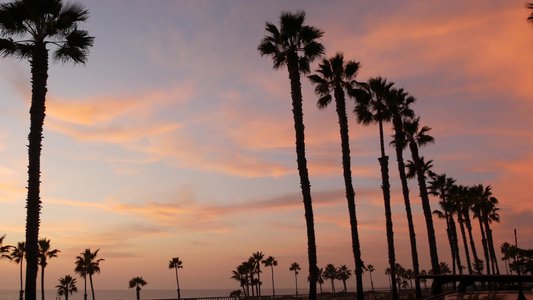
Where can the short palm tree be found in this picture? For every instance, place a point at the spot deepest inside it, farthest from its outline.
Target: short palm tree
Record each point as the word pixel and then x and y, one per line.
pixel 486 212
pixel 343 273
pixel 271 262
pixel 371 269
pixel 137 283
pixel 336 77
pixel 87 264
pixel 175 264
pixel 330 272
pixel 241 275
pixel 66 286
pixel 320 278
pixel 45 254
pixel 417 137
pixel 505 249
pixel 296 267
pixel 257 258
pixel 17 255
pixel 27 27
pixel 296 45
pixel 370 108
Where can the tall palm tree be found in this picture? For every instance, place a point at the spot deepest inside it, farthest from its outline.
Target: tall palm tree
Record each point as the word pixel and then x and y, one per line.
pixel 27 27
pixel 371 269
pixel 343 273
pixel 398 103
pixel 17 255
pixel 45 254
pixel 66 286
pixel 337 77
pixel 467 207
pixel 175 264
pixel 271 262
pixel 417 137
pixel 296 45
pixel 257 258
pixel 330 272
pixel 137 283
pixel 370 108
pixel 440 186
pixel 87 264
pixel 486 212
pixel 296 267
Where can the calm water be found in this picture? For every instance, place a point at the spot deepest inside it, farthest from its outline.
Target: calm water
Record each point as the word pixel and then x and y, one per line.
pixel 129 294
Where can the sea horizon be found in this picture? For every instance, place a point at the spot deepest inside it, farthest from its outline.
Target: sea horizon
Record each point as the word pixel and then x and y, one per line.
pixel 146 293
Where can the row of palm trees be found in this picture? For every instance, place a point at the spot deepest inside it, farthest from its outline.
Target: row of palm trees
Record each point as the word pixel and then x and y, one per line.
pixel 86 264
pixel 67 286
pixel 377 101
pixel 522 259
pixel 245 273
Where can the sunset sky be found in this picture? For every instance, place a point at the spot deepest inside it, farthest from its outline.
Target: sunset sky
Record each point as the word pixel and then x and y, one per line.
pixel 176 138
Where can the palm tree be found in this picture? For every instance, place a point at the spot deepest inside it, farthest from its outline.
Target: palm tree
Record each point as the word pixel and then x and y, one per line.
pixel 320 278
pixel 175 264
pixel 416 138
pixel 460 199
pixel 66 286
pixel 295 45
pixel 257 257
pixel 336 77
pixel 45 253
pixel 87 264
pixel 330 272
pixel 398 103
pixel 486 212
pixel 468 201
pixel 17 255
pixel 343 273
pixel 296 267
pixel 440 186
pixel 241 275
pixel 371 269
pixel 137 282
pixel 505 248
pixel 370 108
pixel 271 262
pixel 39 23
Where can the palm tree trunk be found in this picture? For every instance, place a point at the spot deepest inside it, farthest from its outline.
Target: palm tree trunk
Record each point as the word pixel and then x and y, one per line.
pixel 42 283
pixel 333 285
pixel 178 282
pixel 471 238
pixel 490 242
pixel 274 290
pixel 39 72
pixel 456 244
pixel 92 287
pixel 138 290
pixel 426 208
pixel 450 241
pixel 371 282
pixel 85 288
pixel 484 243
pixel 461 221
pixel 296 281
pixel 258 279
pixel 399 138
pixel 21 292
pixel 350 193
pixel 384 163
pixel 296 94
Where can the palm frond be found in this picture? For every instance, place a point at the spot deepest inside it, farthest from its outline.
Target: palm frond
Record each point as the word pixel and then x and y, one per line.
pixel 76 47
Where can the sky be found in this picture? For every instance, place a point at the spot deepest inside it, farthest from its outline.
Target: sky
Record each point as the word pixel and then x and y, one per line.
pixel 176 137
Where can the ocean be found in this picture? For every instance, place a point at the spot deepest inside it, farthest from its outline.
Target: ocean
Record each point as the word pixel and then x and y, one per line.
pixel 146 293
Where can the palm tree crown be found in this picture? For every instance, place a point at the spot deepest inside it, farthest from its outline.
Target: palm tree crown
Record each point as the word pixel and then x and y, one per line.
pixel 137 283
pixel 87 264
pixel 175 264
pixel 66 286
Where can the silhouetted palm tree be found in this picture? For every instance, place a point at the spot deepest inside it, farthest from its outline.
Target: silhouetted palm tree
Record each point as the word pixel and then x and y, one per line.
pixel 485 210
pixel 296 267
pixel 87 264
pixel 17 255
pixel 371 269
pixel 39 23
pixel 370 108
pixel 330 272
pixel 398 103
pixel 66 286
pixel 337 77
pixel 137 283
pixel 505 248
pixel 296 45
pixel 45 253
pixel 320 278
pixel 460 199
pixel 440 186
pixel 271 262
pixel 343 273
pixel 175 264
pixel 416 138
pixel 4 249
pixel 241 275
pixel 257 258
